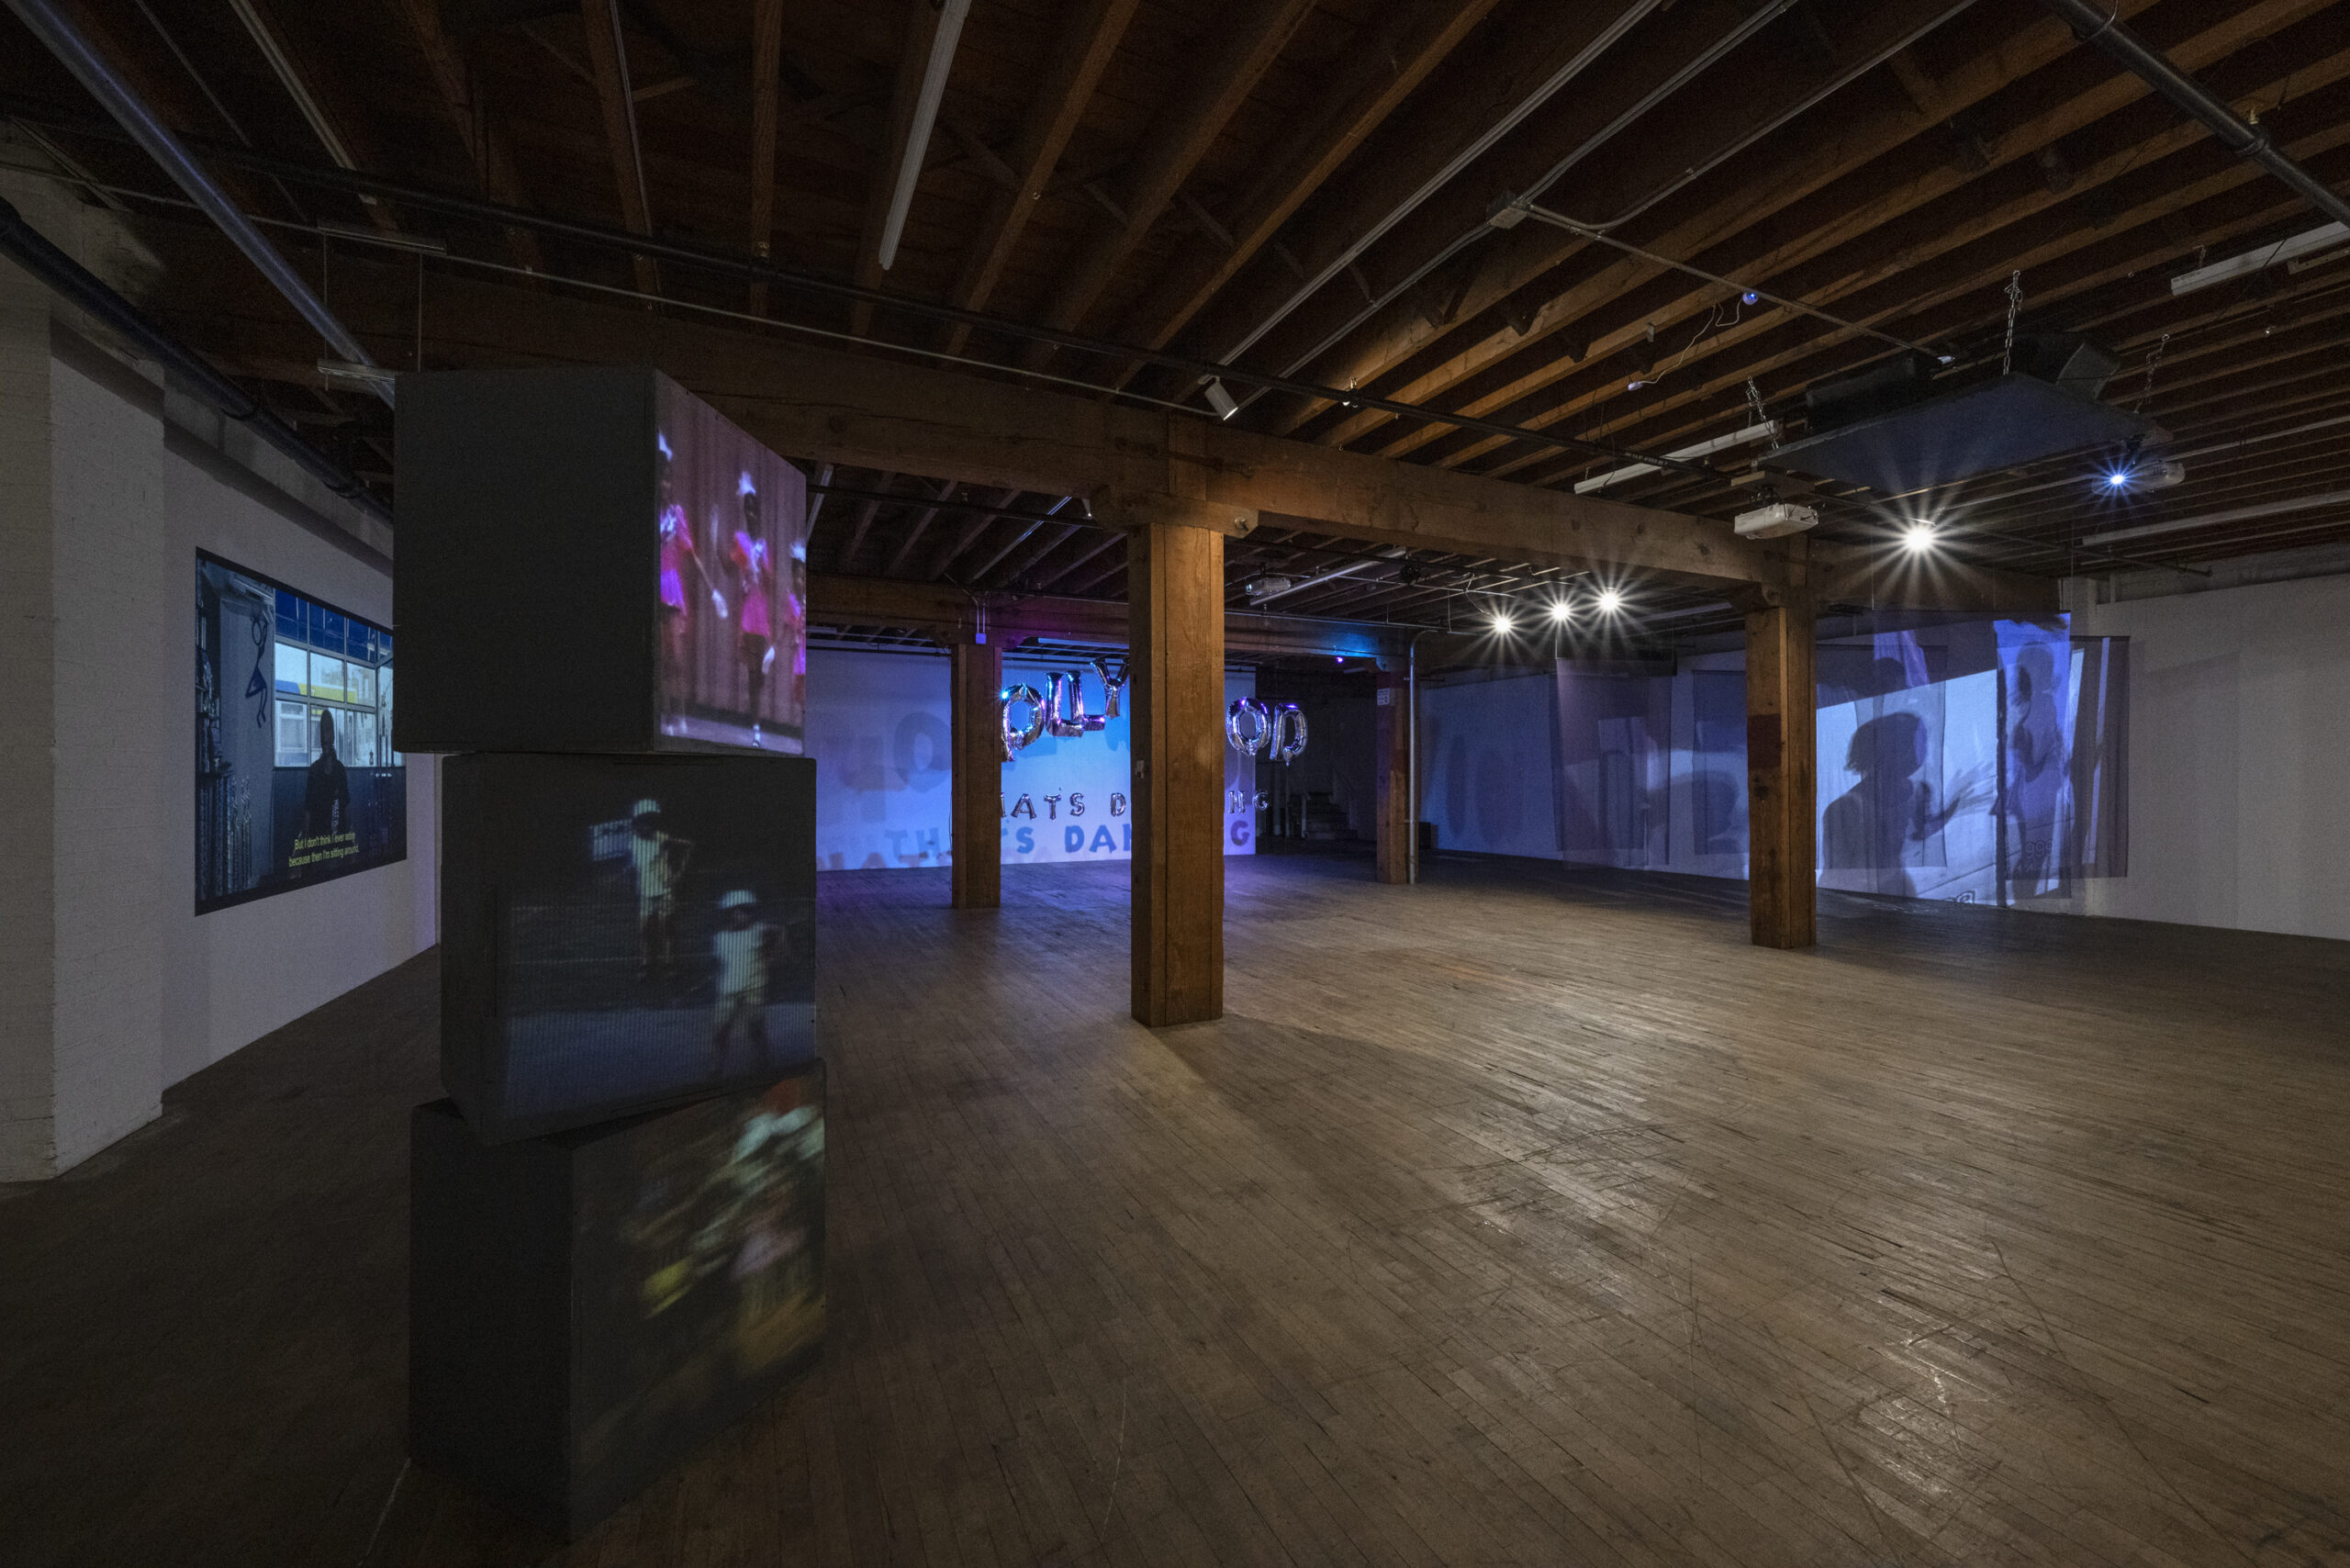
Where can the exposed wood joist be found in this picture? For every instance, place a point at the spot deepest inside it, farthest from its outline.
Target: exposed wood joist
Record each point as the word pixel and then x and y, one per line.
pixel 767 87
pixel 488 148
pixel 1907 222
pixel 600 20
pixel 858 409
pixel 1382 69
pixel 1243 47
pixel 1088 37
pixel 950 614
pixel 918 28
pixel 339 131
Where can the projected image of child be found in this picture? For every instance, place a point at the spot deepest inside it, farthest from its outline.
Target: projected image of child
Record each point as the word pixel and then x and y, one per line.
pixel 658 862
pixel 745 946
pixel 657 935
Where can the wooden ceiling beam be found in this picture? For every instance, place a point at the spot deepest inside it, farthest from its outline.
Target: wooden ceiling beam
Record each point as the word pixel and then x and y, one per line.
pixel 1874 249
pixel 321 103
pixel 950 614
pixel 1963 295
pixel 766 91
pixel 600 20
pixel 917 31
pixel 1242 46
pixel 1801 161
pixel 1086 38
pixel 1382 69
pixel 913 535
pixel 980 521
pixel 487 146
pixel 1404 159
pixel 858 409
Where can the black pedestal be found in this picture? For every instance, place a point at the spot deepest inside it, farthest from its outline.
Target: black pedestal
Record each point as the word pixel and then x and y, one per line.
pixel 586 1307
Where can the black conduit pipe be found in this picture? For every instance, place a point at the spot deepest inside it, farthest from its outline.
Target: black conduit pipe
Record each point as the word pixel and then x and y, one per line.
pixel 31 250
pixel 2099 29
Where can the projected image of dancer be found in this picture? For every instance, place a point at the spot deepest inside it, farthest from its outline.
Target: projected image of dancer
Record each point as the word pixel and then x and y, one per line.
pixel 745 947
pixel 755 586
pixel 1873 826
pixel 658 861
pixel 678 557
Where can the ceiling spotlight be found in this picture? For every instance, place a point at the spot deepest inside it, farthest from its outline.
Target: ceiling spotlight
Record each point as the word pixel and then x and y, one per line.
pixel 1610 601
pixel 2117 480
pixel 1501 624
pixel 1749 297
pixel 1561 611
pixel 1221 400
pixel 1919 536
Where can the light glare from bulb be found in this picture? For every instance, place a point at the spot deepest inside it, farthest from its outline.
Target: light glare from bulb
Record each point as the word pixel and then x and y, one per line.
pixel 1561 611
pixel 1610 601
pixel 1919 537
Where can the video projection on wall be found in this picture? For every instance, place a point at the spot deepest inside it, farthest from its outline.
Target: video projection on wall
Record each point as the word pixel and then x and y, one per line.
pixel 622 932
pixel 878 724
pixel 1979 761
pixel 296 780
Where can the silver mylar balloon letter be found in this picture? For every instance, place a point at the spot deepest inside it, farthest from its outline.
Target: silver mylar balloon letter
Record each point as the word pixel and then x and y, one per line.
pixel 1258 716
pixel 1064 705
pixel 1112 684
pixel 1006 700
pixel 1289 733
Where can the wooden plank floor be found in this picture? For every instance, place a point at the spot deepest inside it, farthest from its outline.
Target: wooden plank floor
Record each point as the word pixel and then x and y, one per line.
pixel 1520 1217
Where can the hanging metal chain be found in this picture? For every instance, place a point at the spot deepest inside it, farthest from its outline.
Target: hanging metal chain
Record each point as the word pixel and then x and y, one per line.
pixel 2015 302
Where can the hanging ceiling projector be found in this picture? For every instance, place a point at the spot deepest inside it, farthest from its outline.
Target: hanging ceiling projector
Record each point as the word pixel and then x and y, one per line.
pixel 1775 521
pixel 1895 430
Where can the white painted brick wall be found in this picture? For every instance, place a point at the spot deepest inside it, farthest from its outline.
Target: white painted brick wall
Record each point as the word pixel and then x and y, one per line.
pixel 26 863
pixel 115 719
pixel 111 988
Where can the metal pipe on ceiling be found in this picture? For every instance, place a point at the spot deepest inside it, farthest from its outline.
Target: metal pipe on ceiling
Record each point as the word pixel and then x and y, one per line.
pixel 99 78
pixel 2101 29
pixel 1542 93
pixel 423 198
pixel 943 39
pixel 32 251
pixel 1681 78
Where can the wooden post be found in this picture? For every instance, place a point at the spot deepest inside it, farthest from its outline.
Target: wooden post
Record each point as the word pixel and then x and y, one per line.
pixel 1394 754
pixel 976 774
pixel 1175 593
pixel 1781 769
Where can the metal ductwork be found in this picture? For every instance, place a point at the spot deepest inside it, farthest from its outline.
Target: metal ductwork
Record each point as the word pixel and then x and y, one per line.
pixel 31 250
pixel 90 67
pixel 2101 29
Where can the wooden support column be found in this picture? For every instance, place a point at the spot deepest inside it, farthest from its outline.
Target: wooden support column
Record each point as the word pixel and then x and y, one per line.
pixel 1175 589
pixel 1781 769
pixel 1392 750
pixel 976 774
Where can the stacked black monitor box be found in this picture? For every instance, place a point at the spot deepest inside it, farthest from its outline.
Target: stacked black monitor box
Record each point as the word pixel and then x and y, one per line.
pixel 616 1220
